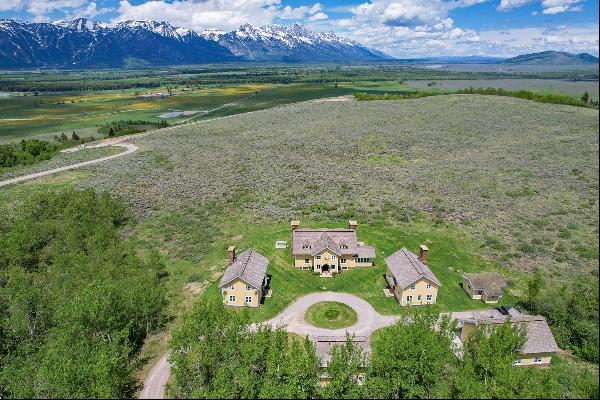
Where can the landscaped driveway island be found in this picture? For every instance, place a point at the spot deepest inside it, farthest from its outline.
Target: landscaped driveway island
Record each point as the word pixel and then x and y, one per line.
pixel 369 320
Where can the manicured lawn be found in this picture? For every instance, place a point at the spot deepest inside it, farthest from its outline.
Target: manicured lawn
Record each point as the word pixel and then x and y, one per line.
pixel 450 251
pixel 330 315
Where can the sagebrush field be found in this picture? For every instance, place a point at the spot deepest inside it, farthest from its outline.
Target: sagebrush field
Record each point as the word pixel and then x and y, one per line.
pixel 521 177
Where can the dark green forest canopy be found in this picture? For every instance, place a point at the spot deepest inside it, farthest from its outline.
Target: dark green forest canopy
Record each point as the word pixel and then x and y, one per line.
pixel 75 301
pixel 214 355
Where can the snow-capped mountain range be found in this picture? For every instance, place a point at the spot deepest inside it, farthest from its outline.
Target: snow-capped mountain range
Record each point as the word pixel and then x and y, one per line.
pixel 85 43
pixel 290 43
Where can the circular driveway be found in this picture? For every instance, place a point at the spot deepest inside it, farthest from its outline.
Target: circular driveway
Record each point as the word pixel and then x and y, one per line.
pixel 369 320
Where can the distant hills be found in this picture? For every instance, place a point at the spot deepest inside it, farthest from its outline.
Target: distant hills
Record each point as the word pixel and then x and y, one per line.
pixel 552 58
pixel 86 43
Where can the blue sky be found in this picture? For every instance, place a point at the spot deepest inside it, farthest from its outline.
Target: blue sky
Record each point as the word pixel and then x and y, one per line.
pixel 403 28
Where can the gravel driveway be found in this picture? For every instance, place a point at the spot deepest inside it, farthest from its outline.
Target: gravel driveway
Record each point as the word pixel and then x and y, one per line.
pixel 369 320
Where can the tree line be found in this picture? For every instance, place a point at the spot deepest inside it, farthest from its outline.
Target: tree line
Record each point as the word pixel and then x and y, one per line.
pixel 584 101
pixel 215 355
pixel 76 302
pixel 571 309
pixel 119 79
pixel 31 151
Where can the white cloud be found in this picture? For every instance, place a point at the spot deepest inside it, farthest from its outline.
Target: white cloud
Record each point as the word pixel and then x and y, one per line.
pixel 408 12
pixel 509 4
pixel 301 12
pixel 222 14
pixel 40 9
pixel 548 6
pixel 318 17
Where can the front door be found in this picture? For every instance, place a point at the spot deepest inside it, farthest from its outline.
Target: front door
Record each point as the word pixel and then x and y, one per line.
pixel 325 269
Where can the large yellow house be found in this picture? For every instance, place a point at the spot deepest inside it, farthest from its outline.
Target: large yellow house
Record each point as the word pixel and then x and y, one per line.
pixel 410 279
pixel 245 280
pixel 329 251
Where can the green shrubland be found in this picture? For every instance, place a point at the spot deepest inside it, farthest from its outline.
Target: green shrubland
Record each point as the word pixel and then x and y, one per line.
pixel 31 151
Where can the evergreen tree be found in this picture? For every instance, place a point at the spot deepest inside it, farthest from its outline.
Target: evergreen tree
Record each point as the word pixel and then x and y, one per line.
pixel 585 98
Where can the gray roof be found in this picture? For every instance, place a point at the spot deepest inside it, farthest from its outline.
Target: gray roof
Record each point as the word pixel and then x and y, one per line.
pixel 408 269
pixel 539 336
pixel 340 241
pixel 491 283
pixel 323 345
pixel 250 266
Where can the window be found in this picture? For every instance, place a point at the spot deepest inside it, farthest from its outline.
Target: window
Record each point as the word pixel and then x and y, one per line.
pixel 363 260
pixel 306 261
pixel 342 260
pixel 333 257
pixel 419 297
pixel 518 362
pixel 232 299
pixel 429 298
pixel 318 257
pixel 429 286
pixel 248 287
pixel 232 287
pixel 412 287
pixel 248 299
pixel 344 267
pixel 305 268
pixel 537 360
pixel 318 266
pixel 409 299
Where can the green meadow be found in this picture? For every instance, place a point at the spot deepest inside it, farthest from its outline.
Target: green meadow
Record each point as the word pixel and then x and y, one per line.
pixel 450 254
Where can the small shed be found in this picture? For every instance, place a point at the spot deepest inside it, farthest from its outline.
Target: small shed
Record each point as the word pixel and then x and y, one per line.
pixel 486 286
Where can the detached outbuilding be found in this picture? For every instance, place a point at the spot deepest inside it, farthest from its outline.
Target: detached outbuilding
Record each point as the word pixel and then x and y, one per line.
pixel 540 345
pixel 486 286
pixel 245 279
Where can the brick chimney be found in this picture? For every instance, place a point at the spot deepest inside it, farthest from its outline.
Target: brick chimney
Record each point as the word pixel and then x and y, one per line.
pixel 230 255
pixel 294 225
pixel 352 224
pixel 423 252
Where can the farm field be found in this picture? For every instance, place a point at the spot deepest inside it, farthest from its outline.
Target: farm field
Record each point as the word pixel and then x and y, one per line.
pixel 47 115
pixel 545 86
pixel 30 115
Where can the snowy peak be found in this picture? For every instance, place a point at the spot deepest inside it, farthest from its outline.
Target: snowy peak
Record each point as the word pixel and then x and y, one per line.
pixel 295 42
pixel 81 24
pixel 161 28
